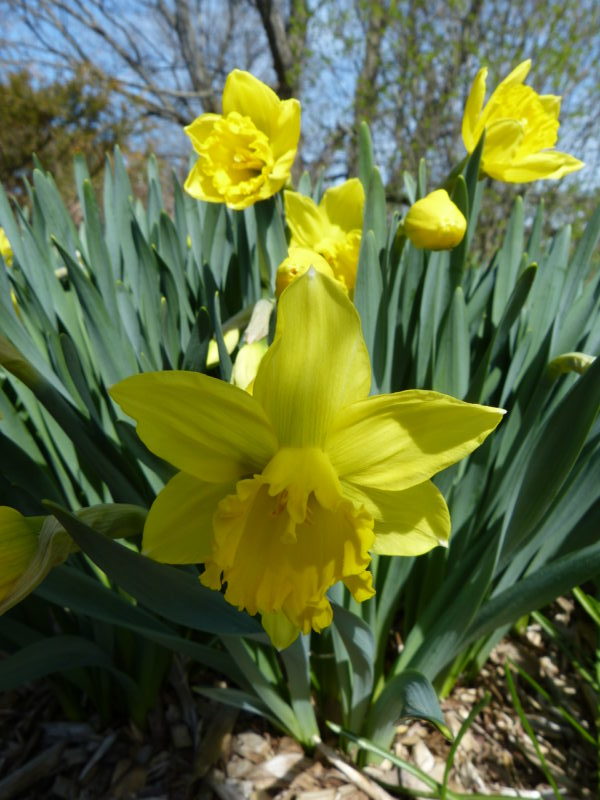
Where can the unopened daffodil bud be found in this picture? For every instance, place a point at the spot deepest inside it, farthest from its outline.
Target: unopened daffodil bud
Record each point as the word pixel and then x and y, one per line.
pixel 5 248
pixel 246 364
pixel 231 338
pixel 30 547
pixel 435 222
pixel 570 362
pixel 299 260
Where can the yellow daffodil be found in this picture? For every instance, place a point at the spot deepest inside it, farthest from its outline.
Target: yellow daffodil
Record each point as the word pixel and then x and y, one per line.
pixel 5 248
pixel 299 261
pixel 286 492
pixel 333 228
pixel 246 153
pixel 520 126
pixel 435 222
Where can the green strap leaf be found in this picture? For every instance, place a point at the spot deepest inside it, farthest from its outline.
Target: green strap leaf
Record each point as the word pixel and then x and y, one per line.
pixel 171 592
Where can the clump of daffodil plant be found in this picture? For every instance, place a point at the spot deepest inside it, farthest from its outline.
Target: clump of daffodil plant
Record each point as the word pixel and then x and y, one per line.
pixel 284 489
pixel 286 492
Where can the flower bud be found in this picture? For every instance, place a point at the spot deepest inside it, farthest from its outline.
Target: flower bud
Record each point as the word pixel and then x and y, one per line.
pixel 299 260
pixel 5 248
pixel 246 364
pixel 435 222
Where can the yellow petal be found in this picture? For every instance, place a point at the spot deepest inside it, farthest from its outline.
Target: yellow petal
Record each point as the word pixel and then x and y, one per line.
pixel 473 110
pixel 396 441
pixel 178 528
pixel 550 164
pixel 307 222
pixel 252 98
pixel 551 104
pixel 344 204
pixel 203 426
pixel 502 141
pixel 360 586
pixel 317 364
pixel 410 522
pixel 281 631
pixel 284 139
pixel 517 76
pixel 200 186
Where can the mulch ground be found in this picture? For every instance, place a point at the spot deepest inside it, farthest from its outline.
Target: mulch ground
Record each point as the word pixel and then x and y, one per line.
pixel 194 750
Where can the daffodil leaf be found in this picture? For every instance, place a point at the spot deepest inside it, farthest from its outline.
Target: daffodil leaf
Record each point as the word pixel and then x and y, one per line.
pixel 579 267
pixel 355 651
pixel 558 443
pixel 365 154
pixel 509 259
pixel 538 589
pixel 174 593
pixel 96 250
pixel 451 374
pixel 57 654
pixel 71 588
pixel 409 695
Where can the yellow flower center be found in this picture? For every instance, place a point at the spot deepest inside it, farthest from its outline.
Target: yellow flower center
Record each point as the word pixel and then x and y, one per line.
pixel 286 536
pixel 522 105
pixel 236 157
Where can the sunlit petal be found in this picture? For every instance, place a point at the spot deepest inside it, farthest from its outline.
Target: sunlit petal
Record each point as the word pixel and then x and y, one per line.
pixel 179 526
pixel 306 222
pixel 318 362
pixel 344 204
pixel 396 441
pixel 201 425
pixel 473 110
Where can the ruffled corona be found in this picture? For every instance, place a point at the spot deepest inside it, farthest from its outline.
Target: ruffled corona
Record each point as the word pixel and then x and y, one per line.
pixel 245 154
pixel 286 537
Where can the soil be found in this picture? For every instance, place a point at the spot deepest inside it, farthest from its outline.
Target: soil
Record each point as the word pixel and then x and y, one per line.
pixel 192 749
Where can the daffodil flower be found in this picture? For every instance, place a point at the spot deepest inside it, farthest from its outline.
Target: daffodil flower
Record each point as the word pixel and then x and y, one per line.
pixel 246 153
pixel 521 127
pixel 286 492
pixel 333 228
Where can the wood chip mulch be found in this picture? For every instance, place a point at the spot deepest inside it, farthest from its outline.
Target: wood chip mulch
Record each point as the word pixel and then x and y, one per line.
pixel 192 749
